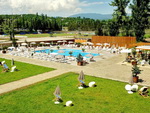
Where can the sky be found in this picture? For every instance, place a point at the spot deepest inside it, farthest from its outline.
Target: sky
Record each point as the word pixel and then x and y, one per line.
pixel 54 8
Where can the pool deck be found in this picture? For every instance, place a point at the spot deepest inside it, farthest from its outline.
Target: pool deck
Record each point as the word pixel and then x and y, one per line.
pixel 107 65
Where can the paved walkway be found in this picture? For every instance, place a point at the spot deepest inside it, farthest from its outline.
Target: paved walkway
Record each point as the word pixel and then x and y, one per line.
pixel 106 68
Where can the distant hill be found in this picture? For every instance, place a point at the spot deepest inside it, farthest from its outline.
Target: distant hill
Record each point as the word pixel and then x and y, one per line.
pixel 93 16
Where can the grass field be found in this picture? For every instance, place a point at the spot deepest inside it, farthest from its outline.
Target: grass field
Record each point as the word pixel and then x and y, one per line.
pixel 24 70
pixel 54 35
pixel 108 97
pixel 46 35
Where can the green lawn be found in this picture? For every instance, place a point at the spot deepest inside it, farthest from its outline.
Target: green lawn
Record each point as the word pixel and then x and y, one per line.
pixel 45 35
pixel 54 35
pixel 24 70
pixel 108 97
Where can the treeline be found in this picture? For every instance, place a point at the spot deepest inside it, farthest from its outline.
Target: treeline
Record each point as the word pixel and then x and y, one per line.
pixel 34 22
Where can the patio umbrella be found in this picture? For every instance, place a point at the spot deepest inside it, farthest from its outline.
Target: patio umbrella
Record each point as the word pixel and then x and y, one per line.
pixel 59 56
pixel 41 42
pixel 126 51
pixel 59 41
pixel 12 62
pixel 90 43
pixel 131 80
pixel 98 44
pixel 64 41
pixel 53 54
pixel 32 43
pixel 24 44
pixel 81 77
pixel 84 42
pixel 57 92
pixel 106 44
pixel 47 43
pixel 89 55
pixel 61 51
pixel 70 42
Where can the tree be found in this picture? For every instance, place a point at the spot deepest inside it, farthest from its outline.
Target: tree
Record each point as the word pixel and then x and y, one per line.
pixel 140 9
pixel 120 14
pixel 113 27
pixel 8 27
pixel 99 31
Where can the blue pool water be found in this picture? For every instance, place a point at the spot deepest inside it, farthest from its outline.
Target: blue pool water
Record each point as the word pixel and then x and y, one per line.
pixel 65 52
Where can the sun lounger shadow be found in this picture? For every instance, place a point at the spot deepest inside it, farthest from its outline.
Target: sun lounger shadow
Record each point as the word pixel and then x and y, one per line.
pixel 58 98
pixel 141 80
pixel 82 83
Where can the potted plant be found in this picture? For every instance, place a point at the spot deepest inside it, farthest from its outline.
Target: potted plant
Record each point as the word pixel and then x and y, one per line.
pixel 80 60
pixel 78 44
pixel 51 50
pixel 70 52
pixel 134 52
pixel 135 72
pixel 134 62
pixel 4 49
pixel 58 47
pixel 83 49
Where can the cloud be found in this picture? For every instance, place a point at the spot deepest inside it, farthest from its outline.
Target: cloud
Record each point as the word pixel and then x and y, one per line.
pixel 85 3
pixel 128 10
pixel 42 6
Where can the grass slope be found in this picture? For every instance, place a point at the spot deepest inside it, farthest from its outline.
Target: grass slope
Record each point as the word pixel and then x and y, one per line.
pixel 108 97
pixel 24 70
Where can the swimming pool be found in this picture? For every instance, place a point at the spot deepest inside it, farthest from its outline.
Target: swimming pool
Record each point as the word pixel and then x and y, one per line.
pixel 65 52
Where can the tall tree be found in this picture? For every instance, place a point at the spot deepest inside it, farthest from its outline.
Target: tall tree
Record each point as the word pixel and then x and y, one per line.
pixel 120 14
pixel 8 27
pixel 140 9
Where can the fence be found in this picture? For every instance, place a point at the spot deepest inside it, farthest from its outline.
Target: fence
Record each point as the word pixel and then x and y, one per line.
pixel 80 40
pixel 114 40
